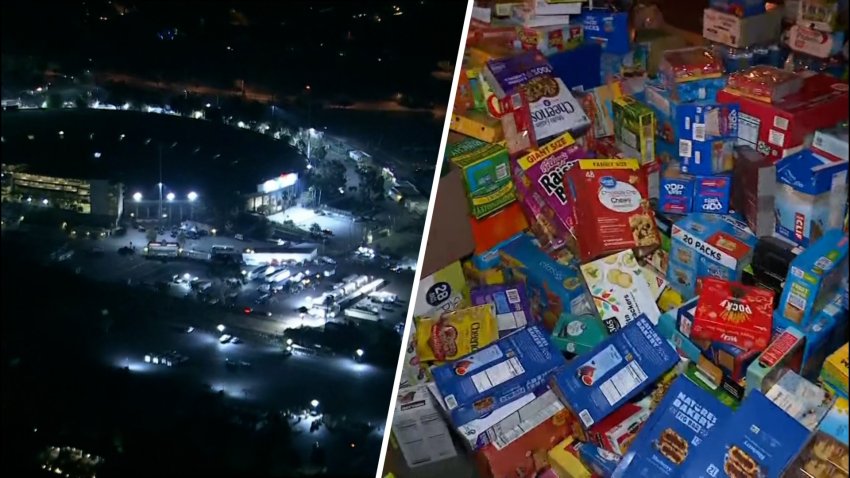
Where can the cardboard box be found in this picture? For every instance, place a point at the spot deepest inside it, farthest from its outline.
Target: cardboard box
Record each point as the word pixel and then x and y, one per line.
pixel 577 334
pixel 486 173
pixel 479 383
pixel 510 302
pixel 832 143
pixel 706 121
pixel 602 462
pixel 739 8
pixel 421 433
pixel 608 29
pixel 759 440
pixel 675 432
pixel 764 372
pixel 693 374
pixel 597 104
pixel 707 245
pixel 754 190
pixel 835 370
pixel 814 278
pixel 801 399
pixel 450 234
pixel 733 313
pixel 771 261
pixel 634 128
pixel 774 130
pixel 815 43
pixel 492 232
pixel 553 288
pixel 478 125
pixel 683 193
pixel 823 15
pixel 564 460
pixel 655 43
pixel 443 291
pixel 632 359
pixel 732 360
pixel 619 290
pixel 667 328
pixel 740 32
pixel 551 39
pixel 765 83
pixel 616 432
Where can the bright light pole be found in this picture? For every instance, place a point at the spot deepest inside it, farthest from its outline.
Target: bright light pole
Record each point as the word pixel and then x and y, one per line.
pixel 220 327
pixel 170 197
pixel 192 197
pixel 314 403
pixel 137 198
pixel 358 355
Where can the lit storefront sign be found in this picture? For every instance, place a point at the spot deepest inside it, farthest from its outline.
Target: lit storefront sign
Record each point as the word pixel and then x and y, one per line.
pixel 284 181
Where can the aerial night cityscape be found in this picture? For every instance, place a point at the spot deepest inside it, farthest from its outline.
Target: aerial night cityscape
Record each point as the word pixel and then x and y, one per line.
pixel 211 218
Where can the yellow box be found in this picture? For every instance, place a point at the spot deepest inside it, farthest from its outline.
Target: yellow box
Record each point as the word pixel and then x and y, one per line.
pixel 835 369
pixel 564 463
pixel 478 125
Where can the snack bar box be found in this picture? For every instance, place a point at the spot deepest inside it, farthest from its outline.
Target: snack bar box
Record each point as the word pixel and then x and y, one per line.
pixel 759 440
pixel 477 384
pixel 677 428
pixel 774 130
pixel 619 368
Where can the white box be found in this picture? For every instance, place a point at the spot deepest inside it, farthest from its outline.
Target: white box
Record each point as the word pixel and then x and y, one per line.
pixel 739 32
pixel 419 429
pixel 813 42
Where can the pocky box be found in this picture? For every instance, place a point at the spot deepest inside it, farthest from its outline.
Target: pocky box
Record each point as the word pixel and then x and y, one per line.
pixel 457 333
pixel 733 313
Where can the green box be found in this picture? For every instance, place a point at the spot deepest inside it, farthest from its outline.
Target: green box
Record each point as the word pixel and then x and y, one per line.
pixel 634 129
pixel 486 174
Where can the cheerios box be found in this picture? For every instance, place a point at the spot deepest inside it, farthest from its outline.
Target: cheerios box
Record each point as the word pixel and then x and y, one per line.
pixel 759 440
pixel 685 418
pixel 477 384
pixel 708 245
pixel 619 368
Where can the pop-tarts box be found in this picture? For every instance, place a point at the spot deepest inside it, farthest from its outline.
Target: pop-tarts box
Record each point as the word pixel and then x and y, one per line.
pixel 676 191
pixel 811 196
pixel 677 428
pixel 620 367
pixel 553 288
pixel 608 29
pixel 708 157
pixel 712 194
pixel 707 120
pixel 512 367
pixel 708 245
pixel 814 277
pixel 760 440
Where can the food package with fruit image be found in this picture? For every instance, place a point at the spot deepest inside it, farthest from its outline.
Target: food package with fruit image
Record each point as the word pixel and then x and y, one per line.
pixel 457 333
pixel 620 290
pixel 733 313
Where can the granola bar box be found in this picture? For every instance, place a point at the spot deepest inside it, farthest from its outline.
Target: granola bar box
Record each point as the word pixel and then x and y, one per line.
pixel 476 384
pixel 735 314
pixel 677 428
pixel 615 213
pixel 760 441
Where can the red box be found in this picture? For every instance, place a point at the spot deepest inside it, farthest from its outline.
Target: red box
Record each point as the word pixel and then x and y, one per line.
pixel 527 455
pixel 501 226
pixel 775 129
pixel 733 313
pixel 616 432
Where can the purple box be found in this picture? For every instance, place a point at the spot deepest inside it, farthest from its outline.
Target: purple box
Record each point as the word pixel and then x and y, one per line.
pixel 512 311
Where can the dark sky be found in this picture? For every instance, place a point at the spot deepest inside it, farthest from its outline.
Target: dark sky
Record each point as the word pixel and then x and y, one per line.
pixel 333 46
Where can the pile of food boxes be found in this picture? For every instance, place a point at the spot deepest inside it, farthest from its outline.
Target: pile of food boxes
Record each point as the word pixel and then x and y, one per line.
pixel 660 275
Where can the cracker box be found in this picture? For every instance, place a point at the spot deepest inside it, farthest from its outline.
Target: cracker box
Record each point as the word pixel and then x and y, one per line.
pixel 832 143
pixel 616 432
pixel 754 190
pixel 800 398
pixel 516 365
pixel 422 435
pixel 815 43
pixel 615 211
pixel 764 372
pixel 686 417
pixel 510 302
pixel 760 440
pixel 553 288
pixel 619 290
pixel 835 371
pixel 634 128
pixel 443 291
pixel 774 130
pixel 810 197
pixel 596 384
pixel 478 125
pixel 815 275
pixel 577 334
pixel 707 245
pixel 732 360
pixel 609 29
pixel 486 175
pixel 733 313
pixel 739 8
pixel 737 32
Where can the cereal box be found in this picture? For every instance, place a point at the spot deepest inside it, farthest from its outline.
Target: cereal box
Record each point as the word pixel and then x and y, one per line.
pixel 764 372
pixel 759 440
pixel 754 190
pixel 617 214
pixel 683 421
pixel 616 432
pixel 546 226
pixel 596 384
pixel 475 385
pixel 800 398
pixel 810 197
pixel 707 245
pixel 553 288
pixel 486 175
pixel 814 277
pixel 510 302
pixel 577 334
pixel 619 290
pixel 733 313
pixel 442 291
pixel 456 333
pixel 634 128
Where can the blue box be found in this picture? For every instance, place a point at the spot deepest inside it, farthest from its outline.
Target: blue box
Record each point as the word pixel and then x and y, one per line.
pixel 687 413
pixel 706 158
pixel 676 191
pixel 704 89
pixel 617 66
pixel 685 316
pixel 710 245
pixel 707 120
pixel 712 194
pixel 600 461
pixel 740 8
pixel 758 435
pixel 682 193
pixel 814 277
pixel 585 78
pixel 667 327
pixel 810 197
pixel 490 259
pixel 609 29
pixel 478 383
pixel 622 366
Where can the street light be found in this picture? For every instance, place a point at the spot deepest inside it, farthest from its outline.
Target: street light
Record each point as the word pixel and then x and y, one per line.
pixel 192 196
pixel 170 197
pixel 137 198
pixel 314 403
pixel 359 352
pixel 220 327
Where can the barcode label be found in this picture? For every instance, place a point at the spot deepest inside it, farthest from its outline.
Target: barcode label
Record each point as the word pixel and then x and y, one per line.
pixel 699 132
pixel 748 128
pixel 501 171
pixel 622 383
pixel 497 374
pixel 685 148
pixel 513 296
pixel 451 402
pixel 585 417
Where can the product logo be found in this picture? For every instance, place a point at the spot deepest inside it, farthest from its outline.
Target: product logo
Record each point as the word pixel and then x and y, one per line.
pixel 675 189
pixel 553 184
pixel 438 293
pixel 548 110
pixel 799 226
pixel 608 182
pixel 735 311
pixel 711 204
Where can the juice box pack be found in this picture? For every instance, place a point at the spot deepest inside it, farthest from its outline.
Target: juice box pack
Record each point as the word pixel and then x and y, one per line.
pixel 477 384
pixel 443 291
pixel 759 440
pixel 707 245
pixel 733 313
pixel 510 303
pixel 815 275
pixel 810 197
pixel 625 364
pixel 486 175
pixel 619 290
pixel 634 128
pixel 686 417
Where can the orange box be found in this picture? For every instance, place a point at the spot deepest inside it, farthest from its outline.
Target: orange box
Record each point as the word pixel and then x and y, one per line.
pixel 491 231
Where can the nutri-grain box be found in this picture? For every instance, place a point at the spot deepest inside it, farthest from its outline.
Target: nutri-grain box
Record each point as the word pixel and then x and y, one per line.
pixel 615 213
pixel 733 313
